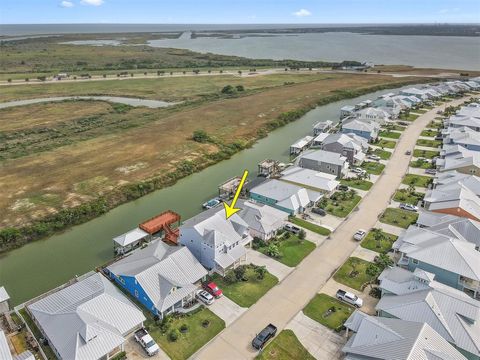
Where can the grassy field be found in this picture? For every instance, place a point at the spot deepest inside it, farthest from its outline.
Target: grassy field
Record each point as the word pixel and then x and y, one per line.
pixel 292 250
pixel 285 346
pixel 339 205
pixel 373 167
pixel 379 241
pixel 49 183
pixel 429 133
pixel 429 143
pixel 383 154
pixel 317 310
pixel 357 184
pixel 389 134
pixel 417 180
pixel 427 154
pixel 405 196
pixel 382 143
pixel 309 226
pixel 390 127
pixel 399 217
pixel 246 293
pixel 422 164
pixel 353 273
pixel 193 339
pixel 409 117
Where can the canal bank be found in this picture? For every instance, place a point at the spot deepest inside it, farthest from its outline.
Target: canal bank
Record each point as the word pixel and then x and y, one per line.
pixel 44 264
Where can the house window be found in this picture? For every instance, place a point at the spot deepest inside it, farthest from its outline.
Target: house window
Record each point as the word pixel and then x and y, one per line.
pixel 136 293
pixel 122 280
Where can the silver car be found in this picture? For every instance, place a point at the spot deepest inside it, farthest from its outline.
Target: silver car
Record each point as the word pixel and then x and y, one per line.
pixel 205 297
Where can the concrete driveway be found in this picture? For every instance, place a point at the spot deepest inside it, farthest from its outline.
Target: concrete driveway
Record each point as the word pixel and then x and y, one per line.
pixel 391 229
pixel 285 300
pixel 135 351
pixel 227 310
pixel 273 266
pixel 321 342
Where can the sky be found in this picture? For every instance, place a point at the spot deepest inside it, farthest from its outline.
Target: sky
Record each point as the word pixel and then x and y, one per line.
pixel 238 11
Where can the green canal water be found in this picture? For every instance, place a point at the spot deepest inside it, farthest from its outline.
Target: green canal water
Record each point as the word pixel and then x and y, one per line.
pixel 39 266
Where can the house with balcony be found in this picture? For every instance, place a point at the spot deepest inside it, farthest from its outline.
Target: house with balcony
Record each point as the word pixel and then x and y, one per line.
pixel 455 261
pixel 346 111
pixel 464 136
pixel 162 277
pixel 324 161
pixel 217 243
pixel 322 127
pixel 416 296
pixel 378 115
pixel 352 146
pixel 453 199
pixel 367 129
pixel 381 338
pixel 458 121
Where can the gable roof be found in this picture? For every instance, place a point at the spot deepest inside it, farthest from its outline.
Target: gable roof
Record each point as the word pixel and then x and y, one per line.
pixel 262 218
pixel 175 268
pixel 450 312
pixel 360 125
pixel 451 197
pixel 395 339
pixel 323 156
pixel 349 141
pixel 3 294
pixel 310 179
pixel 130 237
pixel 86 320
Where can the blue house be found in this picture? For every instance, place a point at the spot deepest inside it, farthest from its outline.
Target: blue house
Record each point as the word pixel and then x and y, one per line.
pixel 162 277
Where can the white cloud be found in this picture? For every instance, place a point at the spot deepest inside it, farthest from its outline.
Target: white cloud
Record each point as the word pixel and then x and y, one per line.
pixel 92 2
pixel 66 4
pixel 302 13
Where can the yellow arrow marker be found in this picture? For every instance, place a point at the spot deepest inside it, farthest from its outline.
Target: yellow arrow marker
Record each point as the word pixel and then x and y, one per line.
pixel 231 209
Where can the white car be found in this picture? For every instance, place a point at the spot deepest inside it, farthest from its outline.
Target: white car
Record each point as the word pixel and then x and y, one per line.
pixel 205 297
pixel 292 228
pixel 358 170
pixel 359 235
pixel 349 298
pixel 408 207
pixel 374 157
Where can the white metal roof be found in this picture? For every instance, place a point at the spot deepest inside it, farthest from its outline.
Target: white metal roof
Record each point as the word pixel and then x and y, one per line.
pixel 324 157
pixel 88 319
pixel 130 237
pixel 262 218
pixel 308 178
pixel 4 349
pixel 3 294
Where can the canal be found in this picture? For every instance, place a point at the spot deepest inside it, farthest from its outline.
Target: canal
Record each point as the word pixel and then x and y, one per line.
pixel 41 265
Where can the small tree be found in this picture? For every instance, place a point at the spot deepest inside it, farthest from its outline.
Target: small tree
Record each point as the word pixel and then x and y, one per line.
pixel 228 89
pixel 200 136
pixel 273 251
pixel 240 88
pixel 260 271
pixel 173 335
pixel 240 272
pixel 302 234
pixel 373 270
pixel 383 261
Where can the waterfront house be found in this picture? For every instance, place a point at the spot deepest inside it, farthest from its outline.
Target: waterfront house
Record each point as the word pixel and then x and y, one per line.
pixel 310 179
pixel 324 161
pixel 4 301
pixel 90 319
pixel 453 199
pixel 322 127
pixel 367 129
pixel 464 136
pixel 346 111
pixel 455 261
pixel 290 198
pixel 263 221
pixel 378 115
pixel 380 338
pixel 217 243
pixel 301 145
pixel 319 139
pixel 129 241
pixel 352 146
pixel 162 277
pixel 419 94
pixel 418 297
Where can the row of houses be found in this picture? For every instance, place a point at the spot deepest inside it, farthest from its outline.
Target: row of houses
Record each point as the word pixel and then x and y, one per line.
pixel 430 301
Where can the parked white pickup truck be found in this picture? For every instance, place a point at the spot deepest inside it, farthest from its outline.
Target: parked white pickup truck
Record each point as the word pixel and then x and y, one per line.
pixel 147 342
pixel 349 298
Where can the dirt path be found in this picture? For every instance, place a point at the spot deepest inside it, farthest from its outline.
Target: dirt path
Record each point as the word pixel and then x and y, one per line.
pixel 286 299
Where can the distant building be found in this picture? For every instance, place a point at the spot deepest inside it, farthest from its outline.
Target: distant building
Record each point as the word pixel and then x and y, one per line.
pixel 324 161
pixel 301 145
pixel 352 146
pixel 346 111
pixel 310 179
pixel 322 127
pixel 367 129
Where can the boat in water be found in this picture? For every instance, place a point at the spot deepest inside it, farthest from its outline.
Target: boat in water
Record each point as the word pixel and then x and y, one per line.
pixel 212 203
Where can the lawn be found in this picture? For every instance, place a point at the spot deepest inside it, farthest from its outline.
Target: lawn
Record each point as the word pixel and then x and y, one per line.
pixel 399 217
pixel 389 134
pixel 428 132
pixel 193 339
pixel 246 293
pixel 409 117
pixel 317 309
pixel 429 143
pixel 373 167
pixel 404 196
pixel 340 203
pixel 383 154
pixel 394 127
pixel 353 273
pixel 38 334
pixel 427 154
pixel 382 143
pixel 309 226
pixel 291 251
pixel 435 124
pixel 285 346
pixel 422 164
pixel 357 183
pixel 379 241
pixel 417 180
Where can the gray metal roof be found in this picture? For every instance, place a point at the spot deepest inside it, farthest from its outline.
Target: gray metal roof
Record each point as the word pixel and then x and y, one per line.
pixel 88 319
pixel 26 355
pixel 4 348
pixel 324 157
pixel 262 218
pixel 395 339
pixel 3 294
pixel 450 312
pixel 130 237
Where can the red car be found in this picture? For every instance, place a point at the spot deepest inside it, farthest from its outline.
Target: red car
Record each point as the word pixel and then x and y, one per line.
pixel 213 289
